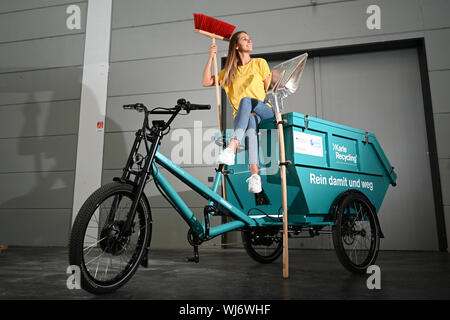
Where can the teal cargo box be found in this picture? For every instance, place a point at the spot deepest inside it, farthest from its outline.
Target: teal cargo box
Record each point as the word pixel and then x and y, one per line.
pixel 326 159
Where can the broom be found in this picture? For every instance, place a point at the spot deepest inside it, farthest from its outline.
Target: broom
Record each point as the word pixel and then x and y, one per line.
pixel 214 29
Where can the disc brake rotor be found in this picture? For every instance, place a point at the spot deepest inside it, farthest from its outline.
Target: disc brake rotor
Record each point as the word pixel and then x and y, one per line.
pixel 111 241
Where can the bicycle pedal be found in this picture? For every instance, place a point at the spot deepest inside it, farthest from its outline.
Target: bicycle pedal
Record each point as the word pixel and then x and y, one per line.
pixel 196 257
pixel 193 259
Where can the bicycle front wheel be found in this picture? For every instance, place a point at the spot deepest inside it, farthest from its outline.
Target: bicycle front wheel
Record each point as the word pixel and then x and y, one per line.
pixel 106 258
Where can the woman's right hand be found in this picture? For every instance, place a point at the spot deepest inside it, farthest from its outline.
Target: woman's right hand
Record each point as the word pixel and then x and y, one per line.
pixel 212 50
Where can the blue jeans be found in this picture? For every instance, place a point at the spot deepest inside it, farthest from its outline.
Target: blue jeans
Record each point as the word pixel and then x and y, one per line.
pixel 245 124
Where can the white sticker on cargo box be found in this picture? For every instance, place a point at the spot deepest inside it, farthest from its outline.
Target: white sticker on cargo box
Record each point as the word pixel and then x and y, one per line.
pixel 308 144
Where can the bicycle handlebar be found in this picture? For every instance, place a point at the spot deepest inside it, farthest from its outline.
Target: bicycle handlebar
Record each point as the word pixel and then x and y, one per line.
pixel 161 112
pixel 182 104
pixel 135 106
pixel 199 106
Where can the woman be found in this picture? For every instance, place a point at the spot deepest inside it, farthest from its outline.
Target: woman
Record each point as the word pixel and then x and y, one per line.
pixel 245 81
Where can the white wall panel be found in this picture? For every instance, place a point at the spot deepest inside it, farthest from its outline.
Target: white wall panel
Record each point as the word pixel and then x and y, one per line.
pixel 18 5
pixel 436 13
pixel 40 86
pixel 128 13
pixel 42 53
pixel 38 23
pixel 441 122
pixel 36 190
pixel 118 119
pixel 438 49
pixel 440 93
pixel 26 227
pixel 39 119
pixel 156 75
pixel 38 154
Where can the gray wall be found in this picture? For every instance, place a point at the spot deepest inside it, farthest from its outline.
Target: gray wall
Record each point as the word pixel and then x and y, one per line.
pixel 155 59
pixel 40 74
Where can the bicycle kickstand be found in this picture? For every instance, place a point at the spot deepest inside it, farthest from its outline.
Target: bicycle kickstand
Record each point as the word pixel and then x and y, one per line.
pixel 196 257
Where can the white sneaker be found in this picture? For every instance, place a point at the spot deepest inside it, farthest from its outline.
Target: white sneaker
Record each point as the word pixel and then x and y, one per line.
pixel 226 157
pixel 254 183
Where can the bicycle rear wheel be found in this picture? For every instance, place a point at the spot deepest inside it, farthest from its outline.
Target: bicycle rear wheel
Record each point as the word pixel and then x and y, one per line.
pixel 264 245
pixel 107 259
pixel 355 233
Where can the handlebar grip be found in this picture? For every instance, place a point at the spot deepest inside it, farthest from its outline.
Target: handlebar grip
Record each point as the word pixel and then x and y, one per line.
pixel 136 106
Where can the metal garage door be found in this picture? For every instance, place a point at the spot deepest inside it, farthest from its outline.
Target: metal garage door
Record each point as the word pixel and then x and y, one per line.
pixel 379 92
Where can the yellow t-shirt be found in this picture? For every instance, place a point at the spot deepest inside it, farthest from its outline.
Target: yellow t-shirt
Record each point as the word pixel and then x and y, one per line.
pixel 248 82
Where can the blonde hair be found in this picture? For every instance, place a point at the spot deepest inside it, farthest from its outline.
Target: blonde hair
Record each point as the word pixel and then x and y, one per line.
pixel 233 60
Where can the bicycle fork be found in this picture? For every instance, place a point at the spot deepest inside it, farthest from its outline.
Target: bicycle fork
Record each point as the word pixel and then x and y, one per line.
pixel 140 183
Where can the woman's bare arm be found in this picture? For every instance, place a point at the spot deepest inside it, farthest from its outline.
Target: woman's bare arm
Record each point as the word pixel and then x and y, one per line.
pixel 208 80
pixel 275 77
pixel 267 82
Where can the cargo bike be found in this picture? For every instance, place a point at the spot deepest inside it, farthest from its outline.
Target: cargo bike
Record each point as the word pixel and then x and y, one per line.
pixel 336 179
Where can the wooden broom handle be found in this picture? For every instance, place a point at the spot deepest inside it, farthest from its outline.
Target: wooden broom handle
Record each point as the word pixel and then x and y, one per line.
pixel 216 81
pixel 283 197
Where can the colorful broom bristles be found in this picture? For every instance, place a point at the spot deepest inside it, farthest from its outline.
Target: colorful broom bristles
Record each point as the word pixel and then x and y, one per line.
pixel 212 25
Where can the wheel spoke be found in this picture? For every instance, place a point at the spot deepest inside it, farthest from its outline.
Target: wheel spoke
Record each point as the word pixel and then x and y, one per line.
pixel 94 244
pixel 95 259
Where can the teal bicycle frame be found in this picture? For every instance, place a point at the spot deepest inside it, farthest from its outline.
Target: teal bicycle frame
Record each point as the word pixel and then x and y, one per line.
pixel 201 229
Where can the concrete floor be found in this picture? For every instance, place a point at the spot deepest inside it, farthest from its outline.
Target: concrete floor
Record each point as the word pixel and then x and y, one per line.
pixel 39 273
